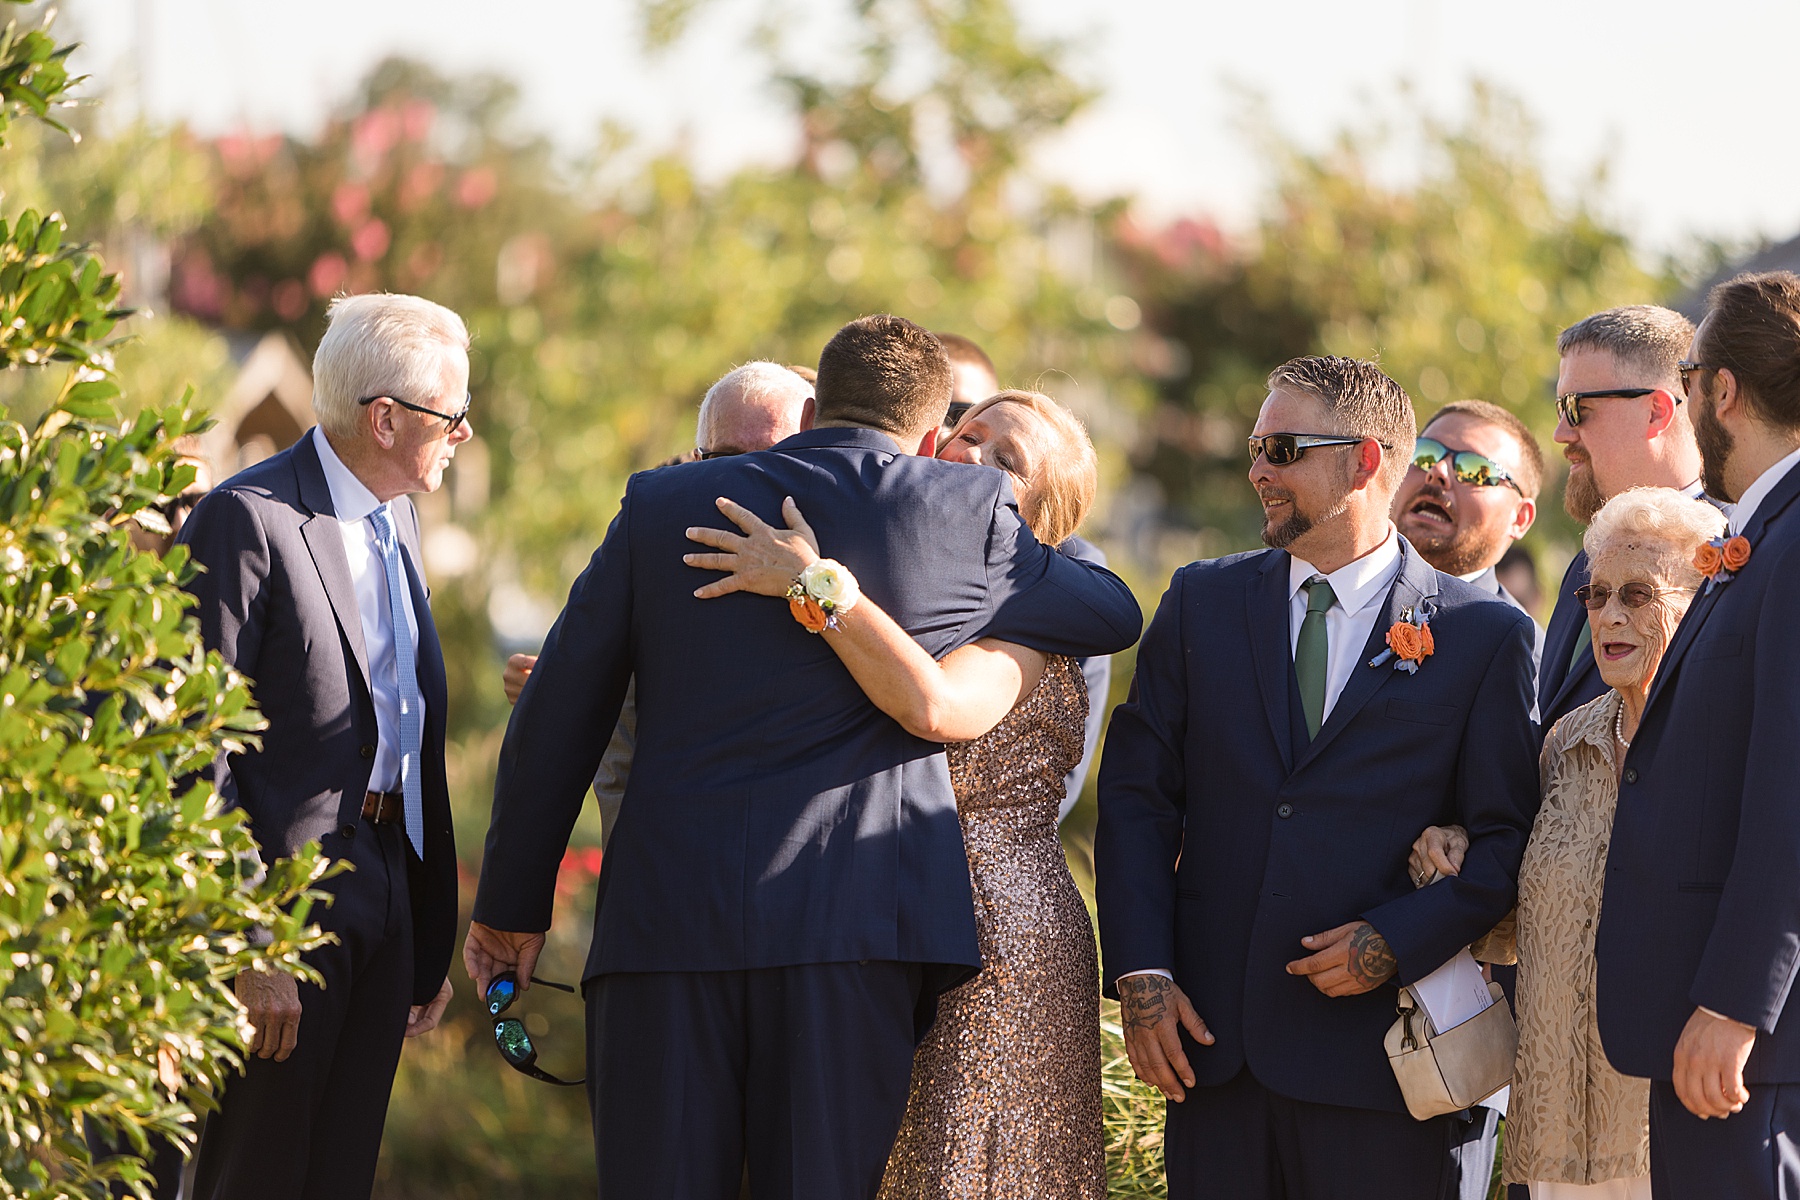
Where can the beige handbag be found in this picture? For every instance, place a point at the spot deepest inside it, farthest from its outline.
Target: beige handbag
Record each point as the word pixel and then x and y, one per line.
pixel 1444 1072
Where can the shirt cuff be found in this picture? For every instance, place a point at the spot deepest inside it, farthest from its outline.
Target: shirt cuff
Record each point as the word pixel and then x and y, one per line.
pixel 1169 975
pixel 1721 1016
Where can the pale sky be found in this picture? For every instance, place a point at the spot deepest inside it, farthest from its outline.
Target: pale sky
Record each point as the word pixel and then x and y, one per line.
pixel 1689 104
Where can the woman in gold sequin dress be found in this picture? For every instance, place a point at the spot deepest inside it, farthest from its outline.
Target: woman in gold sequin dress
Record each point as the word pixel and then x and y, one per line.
pixel 1005 1101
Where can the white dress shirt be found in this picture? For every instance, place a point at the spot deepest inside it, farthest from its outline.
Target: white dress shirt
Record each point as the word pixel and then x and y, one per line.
pixel 354 503
pixel 1359 587
pixel 1759 490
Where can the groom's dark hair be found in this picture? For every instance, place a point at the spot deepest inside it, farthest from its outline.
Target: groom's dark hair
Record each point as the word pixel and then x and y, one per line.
pixel 883 372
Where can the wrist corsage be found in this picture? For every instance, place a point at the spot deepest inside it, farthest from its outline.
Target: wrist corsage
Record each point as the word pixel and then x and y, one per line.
pixel 820 593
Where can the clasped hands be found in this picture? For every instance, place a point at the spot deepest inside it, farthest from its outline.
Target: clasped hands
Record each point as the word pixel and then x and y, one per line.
pixel 1346 961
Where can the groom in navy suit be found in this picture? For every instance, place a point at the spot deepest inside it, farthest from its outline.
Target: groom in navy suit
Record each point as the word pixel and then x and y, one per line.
pixel 785 892
pixel 1699 938
pixel 1259 793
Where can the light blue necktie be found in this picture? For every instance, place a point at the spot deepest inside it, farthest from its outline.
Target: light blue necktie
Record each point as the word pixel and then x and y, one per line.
pixel 407 670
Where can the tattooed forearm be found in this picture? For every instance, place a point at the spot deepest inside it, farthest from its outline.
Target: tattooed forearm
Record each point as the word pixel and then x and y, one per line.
pixel 1372 961
pixel 1144 1001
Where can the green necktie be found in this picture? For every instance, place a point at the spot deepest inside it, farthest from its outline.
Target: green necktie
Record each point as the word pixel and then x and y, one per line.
pixel 1582 641
pixel 1310 653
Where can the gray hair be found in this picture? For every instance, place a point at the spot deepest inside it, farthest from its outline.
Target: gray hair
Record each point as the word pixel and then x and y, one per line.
pixel 757 380
pixel 1654 516
pixel 381 345
pixel 1646 336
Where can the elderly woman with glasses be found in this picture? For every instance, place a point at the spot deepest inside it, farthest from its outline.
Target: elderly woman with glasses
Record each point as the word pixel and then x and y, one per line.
pixel 1577 1129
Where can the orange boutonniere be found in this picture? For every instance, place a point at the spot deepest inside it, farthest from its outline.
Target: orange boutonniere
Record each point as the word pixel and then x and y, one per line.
pixel 1409 641
pixel 1721 559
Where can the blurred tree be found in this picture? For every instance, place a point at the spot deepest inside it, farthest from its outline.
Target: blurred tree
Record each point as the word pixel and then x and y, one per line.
pixel 1458 280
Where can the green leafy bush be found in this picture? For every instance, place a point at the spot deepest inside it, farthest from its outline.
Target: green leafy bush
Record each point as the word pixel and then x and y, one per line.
pixel 129 895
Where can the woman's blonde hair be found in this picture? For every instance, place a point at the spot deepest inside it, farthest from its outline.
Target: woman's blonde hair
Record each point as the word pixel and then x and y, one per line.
pixel 1058 497
pixel 1654 516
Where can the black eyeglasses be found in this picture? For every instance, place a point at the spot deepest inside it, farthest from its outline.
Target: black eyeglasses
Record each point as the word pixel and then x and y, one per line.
pixel 1466 466
pixel 1684 367
pixel 1593 596
pixel 452 419
pixel 1285 449
pixel 1568 405
pixel 509 1032
pixel 703 455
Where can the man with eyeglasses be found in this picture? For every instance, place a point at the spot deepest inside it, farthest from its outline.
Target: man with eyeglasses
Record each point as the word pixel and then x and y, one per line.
pixel 1259 795
pixel 1623 422
pixel 314 588
pixel 1471 493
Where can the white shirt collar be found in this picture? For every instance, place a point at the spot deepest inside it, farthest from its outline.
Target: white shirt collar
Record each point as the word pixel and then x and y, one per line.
pixel 1355 584
pixel 349 498
pixel 1759 490
pixel 1472 576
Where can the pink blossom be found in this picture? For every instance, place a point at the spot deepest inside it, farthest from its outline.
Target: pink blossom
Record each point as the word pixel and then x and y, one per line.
pixel 416 117
pixel 477 187
pixel 328 273
pixel 371 241
pixel 350 203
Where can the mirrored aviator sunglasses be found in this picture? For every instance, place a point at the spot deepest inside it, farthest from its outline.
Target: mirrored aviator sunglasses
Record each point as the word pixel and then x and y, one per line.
pixel 510 1035
pixel 1477 470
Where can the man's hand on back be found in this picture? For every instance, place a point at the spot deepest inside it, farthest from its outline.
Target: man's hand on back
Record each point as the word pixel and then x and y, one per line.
pixel 1153 1011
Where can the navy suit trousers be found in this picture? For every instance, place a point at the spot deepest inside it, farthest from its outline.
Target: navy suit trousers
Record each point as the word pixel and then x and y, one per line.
pixel 1240 1141
pixel 310 1128
pixel 1750 1155
pixel 799 1073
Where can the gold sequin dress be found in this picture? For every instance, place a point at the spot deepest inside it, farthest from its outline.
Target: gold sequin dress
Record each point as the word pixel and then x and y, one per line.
pixel 1005 1101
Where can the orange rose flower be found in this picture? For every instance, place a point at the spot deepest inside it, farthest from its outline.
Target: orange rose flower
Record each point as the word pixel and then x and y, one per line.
pixel 1708 559
pixel 806 610
pixel 1735 553
pixel 1406 641
pixel 1427 646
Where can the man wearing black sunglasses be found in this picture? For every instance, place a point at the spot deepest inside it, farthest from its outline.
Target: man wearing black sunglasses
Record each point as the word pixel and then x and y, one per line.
pixel 1623 421
pixel 1262 785
pixel 314 587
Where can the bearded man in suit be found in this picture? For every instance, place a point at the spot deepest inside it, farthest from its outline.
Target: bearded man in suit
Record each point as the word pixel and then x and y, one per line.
pixel 1298 715
pixel 1699 935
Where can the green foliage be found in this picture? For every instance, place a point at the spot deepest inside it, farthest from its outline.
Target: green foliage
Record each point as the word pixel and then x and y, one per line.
pixel 1133 1113
pixel 34 74
pixel 56 301
pixel 129 894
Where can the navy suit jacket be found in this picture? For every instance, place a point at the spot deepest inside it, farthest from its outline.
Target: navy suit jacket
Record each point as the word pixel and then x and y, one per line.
pixel 276 601
pixel 773 815
pixel 1562 689
pixel 1702 901
pixel 1225 836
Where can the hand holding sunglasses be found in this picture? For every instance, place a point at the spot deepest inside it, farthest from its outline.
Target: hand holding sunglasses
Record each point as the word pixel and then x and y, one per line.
pixel 509 1032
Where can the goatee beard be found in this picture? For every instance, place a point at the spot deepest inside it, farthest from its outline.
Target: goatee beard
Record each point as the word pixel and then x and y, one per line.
pixel 1715 442
pixel 1582 498
pixel 1281 534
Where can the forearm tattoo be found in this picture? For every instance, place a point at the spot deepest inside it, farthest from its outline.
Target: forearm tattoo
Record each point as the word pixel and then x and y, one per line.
pixel 1372 960
pixel 1144 1001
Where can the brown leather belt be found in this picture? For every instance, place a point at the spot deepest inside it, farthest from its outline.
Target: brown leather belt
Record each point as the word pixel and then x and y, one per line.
pixel 379 808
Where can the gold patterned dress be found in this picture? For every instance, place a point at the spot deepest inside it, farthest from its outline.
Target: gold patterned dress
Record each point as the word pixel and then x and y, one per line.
pixel 1005 1101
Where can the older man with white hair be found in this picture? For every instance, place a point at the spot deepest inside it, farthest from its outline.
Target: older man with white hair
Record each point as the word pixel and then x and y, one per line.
pixel 313 588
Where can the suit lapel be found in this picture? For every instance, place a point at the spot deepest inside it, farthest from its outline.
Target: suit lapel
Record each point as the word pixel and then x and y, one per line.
pixel 325 540
pixel 430 656
pixel 1559 642
pixel 1266 606
pixel 1417 581
pixel 1772 507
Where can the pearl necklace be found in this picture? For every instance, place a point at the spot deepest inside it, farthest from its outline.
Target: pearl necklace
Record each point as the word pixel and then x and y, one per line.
pixel 1619 727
